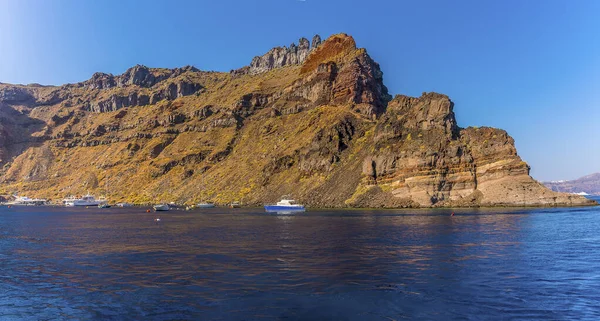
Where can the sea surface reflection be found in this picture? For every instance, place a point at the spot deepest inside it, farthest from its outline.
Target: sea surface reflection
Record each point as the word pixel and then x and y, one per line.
pixel 243 264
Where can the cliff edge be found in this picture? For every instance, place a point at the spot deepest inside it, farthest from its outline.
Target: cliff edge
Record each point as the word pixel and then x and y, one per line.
pixel 314 120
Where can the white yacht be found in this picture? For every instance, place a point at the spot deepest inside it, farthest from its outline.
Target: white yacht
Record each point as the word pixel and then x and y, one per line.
pixel 124 204
pixel 26 201
pixel 205 205
pixel 285 205
pixel 161 207
pixel 87 200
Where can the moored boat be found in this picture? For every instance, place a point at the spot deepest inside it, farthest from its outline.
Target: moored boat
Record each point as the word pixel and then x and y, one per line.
pixel 26 201
pixel 205 205
pixel 104 205
pixel 176 206
pixel 161 207
pixel 124 205
pixel 87 200
pixel 235 205
pixel 285 205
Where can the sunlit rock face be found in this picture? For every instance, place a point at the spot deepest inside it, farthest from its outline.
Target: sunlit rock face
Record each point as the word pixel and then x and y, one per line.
pixel 314 120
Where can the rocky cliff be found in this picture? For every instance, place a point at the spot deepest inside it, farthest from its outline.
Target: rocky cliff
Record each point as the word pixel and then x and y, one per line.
pixel 314 120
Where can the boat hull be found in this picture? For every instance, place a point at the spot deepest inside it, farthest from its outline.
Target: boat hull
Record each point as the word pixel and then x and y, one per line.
pixel 161 208
pixel 71 204
pixel 205 205
pixel 24 204
pixel 26 201
pixel 283 208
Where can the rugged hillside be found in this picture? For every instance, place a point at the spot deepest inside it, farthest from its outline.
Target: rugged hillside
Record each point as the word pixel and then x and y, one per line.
pixel 313 120
pixel 589 184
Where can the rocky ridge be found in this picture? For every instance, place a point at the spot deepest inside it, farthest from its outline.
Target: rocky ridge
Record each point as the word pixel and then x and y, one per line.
pixel 280 57
pixel 313 119
pixel 589 184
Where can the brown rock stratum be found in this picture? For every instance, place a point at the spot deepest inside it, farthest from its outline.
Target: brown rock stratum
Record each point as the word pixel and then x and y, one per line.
pixel 313 120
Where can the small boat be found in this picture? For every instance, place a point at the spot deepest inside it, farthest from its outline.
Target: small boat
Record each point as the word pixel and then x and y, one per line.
pixel 124 205
pixel 176 206
pixel 235 205
pixel 285 205
pixel 161 207
pixel 104 205
pixel 205 205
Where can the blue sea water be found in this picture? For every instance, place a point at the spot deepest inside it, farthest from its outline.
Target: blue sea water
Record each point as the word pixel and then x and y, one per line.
pixel 243 264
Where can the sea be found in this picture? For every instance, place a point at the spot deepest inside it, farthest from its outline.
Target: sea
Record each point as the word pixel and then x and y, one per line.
pixel 244 264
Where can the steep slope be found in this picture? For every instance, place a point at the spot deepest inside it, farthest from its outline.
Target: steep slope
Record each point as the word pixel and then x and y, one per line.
pixel 589 184
pixel 313 120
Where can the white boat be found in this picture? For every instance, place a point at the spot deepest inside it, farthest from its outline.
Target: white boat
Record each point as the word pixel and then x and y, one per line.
pixel 235 205
pixel 87 200
pixel 124 205
pixel 205 205
pixel 161 207
pixel 176 206
pixel 26 201
pixel 284 206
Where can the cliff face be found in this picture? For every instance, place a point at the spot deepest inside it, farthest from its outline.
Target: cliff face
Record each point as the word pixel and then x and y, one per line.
pixel 280 57
pixel 313 120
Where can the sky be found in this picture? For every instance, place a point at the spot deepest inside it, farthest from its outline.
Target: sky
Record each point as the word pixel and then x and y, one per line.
pixel 531 67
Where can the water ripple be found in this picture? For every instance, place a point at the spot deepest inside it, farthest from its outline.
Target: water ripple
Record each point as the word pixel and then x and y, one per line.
pixel 62 264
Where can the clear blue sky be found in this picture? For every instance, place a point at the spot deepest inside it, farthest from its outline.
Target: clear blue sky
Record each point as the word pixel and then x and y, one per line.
pixel 530 67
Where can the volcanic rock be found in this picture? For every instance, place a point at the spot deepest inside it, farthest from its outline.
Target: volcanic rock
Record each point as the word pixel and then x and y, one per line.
pixel 313 119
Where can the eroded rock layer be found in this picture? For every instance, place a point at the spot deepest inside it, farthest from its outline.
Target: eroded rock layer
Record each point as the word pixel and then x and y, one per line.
pixel 314 120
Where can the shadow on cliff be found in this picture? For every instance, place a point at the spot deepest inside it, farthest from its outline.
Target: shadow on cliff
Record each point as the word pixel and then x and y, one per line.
pixel 18 132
